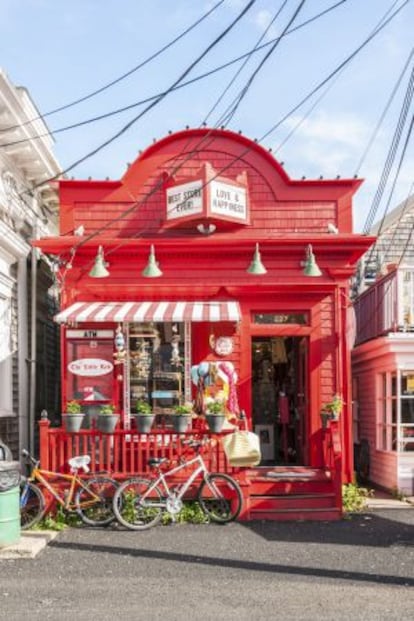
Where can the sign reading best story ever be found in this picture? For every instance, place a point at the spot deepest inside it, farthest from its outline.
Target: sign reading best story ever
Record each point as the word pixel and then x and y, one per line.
pixel 225 200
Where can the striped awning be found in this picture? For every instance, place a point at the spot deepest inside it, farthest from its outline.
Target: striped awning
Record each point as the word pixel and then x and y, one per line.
pixel 149 311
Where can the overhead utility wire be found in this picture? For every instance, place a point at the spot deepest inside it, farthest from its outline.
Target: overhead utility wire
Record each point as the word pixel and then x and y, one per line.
pixel 396 175
pixel 386 108
pixel 308 113
pixel 240 69
pixel 391 154
pixel 231 110
pixel 121 77
pixel 248 149
pixel 207 74
pixel 158 99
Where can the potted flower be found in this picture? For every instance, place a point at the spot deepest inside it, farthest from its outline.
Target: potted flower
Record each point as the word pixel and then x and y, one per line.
pixel 215 413
pixel 332 409
pixel 182 416
pixel 144 416
pixel 73 416
pixel 107 418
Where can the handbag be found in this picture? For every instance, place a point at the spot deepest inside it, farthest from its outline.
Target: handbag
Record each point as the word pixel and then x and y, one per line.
pixel 242 448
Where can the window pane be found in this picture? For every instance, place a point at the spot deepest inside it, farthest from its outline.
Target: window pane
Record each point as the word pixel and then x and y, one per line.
pixel 407 411
pixel 394 411
pixel 407 383
pixel 394 385
pixel 90 369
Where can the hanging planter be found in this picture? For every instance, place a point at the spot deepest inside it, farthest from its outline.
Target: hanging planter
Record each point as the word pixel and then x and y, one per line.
pixel 181 418
pixel 107 419
pixel 73 417
pixel 215 414
pixel 332 410
pixel 144 417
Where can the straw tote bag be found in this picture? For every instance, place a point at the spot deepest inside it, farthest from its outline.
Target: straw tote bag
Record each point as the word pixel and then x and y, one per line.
pixel 242 448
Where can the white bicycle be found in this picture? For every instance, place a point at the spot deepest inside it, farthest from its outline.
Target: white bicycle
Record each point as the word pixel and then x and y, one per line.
pixel 139 503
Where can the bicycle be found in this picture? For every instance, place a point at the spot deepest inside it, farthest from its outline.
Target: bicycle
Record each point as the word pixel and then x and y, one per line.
pixel 90 499
pixel 139 504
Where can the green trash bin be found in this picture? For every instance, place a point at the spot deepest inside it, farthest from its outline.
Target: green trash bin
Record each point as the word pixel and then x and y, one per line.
pixel 9 503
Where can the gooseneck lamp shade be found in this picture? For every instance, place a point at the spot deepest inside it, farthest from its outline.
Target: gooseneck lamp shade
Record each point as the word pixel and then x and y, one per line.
pixel 152 270
pixel 99 269
pixel 256 267
pixel 311 267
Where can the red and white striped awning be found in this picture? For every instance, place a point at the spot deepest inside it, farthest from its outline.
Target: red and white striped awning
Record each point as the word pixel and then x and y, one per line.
pixel 149 311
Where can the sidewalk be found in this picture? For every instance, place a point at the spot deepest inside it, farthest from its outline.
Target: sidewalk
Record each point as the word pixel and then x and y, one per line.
pixel 384 500
pixel 31 543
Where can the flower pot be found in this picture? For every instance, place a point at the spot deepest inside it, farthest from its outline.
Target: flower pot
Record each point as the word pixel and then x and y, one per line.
pixel 215 422
pixel 72 422
pixel 107 422
pixel 144 422
pixel 181 422
pixel 325 416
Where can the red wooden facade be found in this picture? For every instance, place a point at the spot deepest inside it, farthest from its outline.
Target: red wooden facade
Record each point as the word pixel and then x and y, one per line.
pixel 204 199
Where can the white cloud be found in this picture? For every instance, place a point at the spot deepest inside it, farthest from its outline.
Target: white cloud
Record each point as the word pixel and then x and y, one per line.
pixel 262 20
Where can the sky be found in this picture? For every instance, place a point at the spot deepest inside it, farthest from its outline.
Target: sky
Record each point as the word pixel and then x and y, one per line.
pixel 62 50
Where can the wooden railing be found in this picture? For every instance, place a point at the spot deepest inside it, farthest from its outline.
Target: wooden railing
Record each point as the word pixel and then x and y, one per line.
pixel 332 454
pixel 125 452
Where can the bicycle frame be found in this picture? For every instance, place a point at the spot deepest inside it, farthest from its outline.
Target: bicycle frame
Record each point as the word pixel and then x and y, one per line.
pixel 66 500
pixel 161 479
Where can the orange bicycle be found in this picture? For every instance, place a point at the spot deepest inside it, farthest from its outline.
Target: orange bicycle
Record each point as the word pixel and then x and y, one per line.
pixel 91 499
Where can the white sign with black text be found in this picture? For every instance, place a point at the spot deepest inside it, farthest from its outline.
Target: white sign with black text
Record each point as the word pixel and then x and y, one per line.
pixel 184 200
pixel 228 200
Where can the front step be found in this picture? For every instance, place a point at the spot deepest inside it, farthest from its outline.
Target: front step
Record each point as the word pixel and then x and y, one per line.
pixel 291 493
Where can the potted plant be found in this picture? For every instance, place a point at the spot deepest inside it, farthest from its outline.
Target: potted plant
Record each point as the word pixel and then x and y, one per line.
pixel 215 413
pixel 73 416
pixel 144 416
pixel 182 416
pixel 332 410
pixel 107 418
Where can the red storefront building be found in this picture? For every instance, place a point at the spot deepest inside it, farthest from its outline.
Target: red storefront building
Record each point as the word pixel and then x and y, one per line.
pixel 207 271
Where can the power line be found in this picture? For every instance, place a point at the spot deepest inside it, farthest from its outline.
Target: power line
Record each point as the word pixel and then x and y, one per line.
pixel 391 154
pixel 236 103
pixel 121 77
pixel 240 156
pixel 207 74
pixel 159 98
pixel 384 112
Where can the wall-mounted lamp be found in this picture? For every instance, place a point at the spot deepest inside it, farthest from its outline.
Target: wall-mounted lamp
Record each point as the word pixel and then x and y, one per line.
pixel 99 269
pixel 311 268
pixel 256 267
pixel 152 270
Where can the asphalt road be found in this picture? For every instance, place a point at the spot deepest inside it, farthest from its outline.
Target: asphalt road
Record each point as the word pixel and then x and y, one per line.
pixel 355 569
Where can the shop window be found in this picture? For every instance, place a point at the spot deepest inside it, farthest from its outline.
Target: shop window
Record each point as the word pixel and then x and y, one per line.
pixel 281 318
pixel 396 411
pixel 156 365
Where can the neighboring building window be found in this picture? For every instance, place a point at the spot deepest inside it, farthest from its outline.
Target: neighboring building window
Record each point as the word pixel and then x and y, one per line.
pixel 408 298
pixel 407 411
pixel 395 412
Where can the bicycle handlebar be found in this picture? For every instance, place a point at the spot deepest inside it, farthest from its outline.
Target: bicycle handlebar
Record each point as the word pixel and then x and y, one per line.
pixel 27 455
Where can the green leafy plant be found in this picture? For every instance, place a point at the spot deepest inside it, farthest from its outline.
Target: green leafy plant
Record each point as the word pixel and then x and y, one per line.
pixel 354 498
pixel 58 520
pixel 143 407
pixel 191 513
pixel 108 409
pixel 73 407
pixel 183 409
pixel 335 406
pixel 215 406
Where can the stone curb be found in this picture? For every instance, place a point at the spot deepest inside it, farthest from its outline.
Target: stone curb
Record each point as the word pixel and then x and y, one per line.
pixel 31 543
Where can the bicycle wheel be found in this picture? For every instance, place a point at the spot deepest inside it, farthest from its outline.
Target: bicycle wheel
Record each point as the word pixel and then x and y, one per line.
pixel 32 505
pixel 136 507
pixel 220 497
pixel 94 502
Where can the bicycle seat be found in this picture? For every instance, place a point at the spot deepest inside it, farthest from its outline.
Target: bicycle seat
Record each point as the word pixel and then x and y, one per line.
pixel 157 461
pixel 81 461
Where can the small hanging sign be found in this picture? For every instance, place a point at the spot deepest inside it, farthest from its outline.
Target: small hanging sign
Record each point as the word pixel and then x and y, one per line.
pixel 223 345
